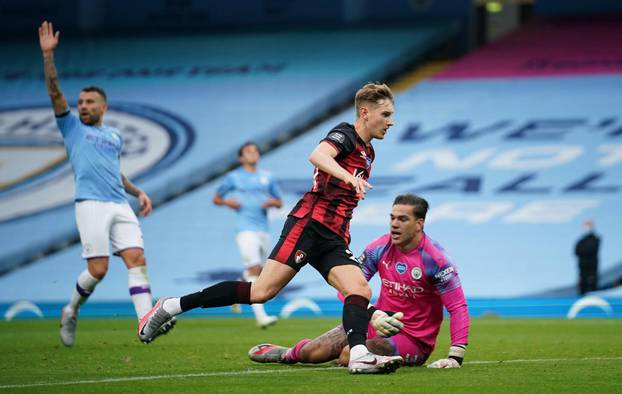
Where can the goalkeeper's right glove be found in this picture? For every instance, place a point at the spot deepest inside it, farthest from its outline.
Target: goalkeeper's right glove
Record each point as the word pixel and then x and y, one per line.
pixel 386 325
pixel 453 360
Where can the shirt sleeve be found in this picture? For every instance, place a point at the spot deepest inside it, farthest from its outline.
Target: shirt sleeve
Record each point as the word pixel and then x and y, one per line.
pixel 369 259
pixel 342 138
pixel 459 320
pixel 447 283
pixel 227 185
pixel 67 123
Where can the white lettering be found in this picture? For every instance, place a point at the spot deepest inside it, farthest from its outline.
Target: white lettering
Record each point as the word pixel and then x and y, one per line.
pixel 550 211
pixel 472 212
pixel 445 159
pixel 613 155
pixel 531 157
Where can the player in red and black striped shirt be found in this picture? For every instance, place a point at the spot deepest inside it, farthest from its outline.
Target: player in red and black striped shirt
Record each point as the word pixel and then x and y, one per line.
pixel 316 232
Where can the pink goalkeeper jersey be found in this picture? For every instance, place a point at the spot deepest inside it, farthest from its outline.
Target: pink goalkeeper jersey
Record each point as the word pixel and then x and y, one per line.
pixel 418 283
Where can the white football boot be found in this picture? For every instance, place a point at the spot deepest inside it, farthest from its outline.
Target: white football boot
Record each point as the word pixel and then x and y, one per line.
pixel 68 323
pixel 372 363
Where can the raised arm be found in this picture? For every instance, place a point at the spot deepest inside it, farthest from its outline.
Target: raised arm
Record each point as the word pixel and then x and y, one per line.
pixel 48 40
pixel 143 198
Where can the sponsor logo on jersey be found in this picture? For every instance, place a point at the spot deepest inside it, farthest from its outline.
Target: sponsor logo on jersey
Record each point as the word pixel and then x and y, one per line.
pixel 351 255
pixel 401 289
pixel 36 175
pixel 416 273
pixel 444 275
pixel 400 267
pixel 300 256
pixel 337 136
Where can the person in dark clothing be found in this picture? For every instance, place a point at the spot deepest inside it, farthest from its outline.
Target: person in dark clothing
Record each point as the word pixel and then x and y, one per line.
pixel 586 250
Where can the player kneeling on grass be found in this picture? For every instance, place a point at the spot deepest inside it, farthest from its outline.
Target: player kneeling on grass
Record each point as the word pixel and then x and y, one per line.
pixel 418 279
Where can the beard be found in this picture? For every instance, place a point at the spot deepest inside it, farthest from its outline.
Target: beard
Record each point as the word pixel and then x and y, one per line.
pixel 90 119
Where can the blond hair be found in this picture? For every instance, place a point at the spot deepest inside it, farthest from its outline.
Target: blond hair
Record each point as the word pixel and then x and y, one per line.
pixel 372 92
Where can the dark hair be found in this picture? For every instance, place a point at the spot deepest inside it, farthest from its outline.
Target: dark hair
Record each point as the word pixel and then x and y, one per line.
pixel 244 145
pixel 96 89
pixel 372 92
pixel 420 205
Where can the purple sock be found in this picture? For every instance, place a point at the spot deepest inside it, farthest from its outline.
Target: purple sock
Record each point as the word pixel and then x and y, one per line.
pixel 294 352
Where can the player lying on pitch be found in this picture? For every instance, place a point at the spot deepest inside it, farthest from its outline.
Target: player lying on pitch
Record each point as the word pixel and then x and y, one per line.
pixel 418 279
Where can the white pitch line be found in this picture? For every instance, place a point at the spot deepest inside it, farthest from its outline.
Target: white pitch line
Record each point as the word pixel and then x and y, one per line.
pixel 278 371
pixel 160 377
pixel 543 360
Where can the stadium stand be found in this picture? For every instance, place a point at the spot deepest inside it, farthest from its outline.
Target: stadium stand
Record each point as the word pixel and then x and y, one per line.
pixel 184 110
pixel 513 145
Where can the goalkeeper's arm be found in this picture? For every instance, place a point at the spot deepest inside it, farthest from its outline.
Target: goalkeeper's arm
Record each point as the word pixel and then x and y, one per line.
pixel 385 323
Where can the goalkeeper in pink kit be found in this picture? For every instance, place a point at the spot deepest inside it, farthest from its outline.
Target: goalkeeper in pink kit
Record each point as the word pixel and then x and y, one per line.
pixel 418 279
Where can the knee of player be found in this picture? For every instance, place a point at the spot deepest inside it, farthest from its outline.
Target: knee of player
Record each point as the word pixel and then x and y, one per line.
pixel 312 353
pixel 136 259
pixel 98 272
pixel 344 357
pixel 259 295
pixel 361 289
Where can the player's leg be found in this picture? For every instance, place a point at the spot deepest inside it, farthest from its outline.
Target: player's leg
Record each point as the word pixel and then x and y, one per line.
pixel 127 242
pixel 93 223
pixel 414 352
pixel 272 279
pixel 250 247
pixel 137 280
pixel 350 282
pixel 274 276
pixel 322 349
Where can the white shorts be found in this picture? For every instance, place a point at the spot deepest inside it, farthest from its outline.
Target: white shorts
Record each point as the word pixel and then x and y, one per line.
pixel 253 246
pixel 103 222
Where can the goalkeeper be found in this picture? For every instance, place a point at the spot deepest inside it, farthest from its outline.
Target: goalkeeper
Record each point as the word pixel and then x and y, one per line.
pixel 417 279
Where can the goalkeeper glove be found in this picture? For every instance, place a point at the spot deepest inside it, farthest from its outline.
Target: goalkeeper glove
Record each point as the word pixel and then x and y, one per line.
pixel 386 325
pixel 453 360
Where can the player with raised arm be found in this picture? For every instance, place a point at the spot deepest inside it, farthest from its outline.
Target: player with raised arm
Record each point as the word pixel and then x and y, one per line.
pixel 250 192
pixel 316 232
pixel 103 214
pixel 418 279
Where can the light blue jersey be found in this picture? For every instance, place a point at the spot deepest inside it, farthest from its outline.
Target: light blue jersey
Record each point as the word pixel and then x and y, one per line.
pixel 94 154
pixel 250 189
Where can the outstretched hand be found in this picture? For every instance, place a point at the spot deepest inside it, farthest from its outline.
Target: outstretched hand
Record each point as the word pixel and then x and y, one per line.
pixel 48 40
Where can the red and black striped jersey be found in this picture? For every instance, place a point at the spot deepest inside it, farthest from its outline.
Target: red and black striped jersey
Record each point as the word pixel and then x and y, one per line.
pixel 331 201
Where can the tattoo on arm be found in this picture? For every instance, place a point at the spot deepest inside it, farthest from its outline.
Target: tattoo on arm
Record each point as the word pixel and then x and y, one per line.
pixel 59 103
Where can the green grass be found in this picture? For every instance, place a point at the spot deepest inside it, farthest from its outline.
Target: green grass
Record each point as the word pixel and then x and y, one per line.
pixel 504 356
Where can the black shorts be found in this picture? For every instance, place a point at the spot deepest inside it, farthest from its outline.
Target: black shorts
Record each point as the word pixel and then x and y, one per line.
pixel 305 241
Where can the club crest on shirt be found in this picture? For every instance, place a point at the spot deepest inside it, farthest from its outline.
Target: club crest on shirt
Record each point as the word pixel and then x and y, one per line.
pixel 400 267
pixel 300 256
pixel 416 273
pixel 366 158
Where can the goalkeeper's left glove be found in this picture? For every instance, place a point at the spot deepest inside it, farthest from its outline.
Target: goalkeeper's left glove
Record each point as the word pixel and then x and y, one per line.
pixel 386 325
pixel 453 360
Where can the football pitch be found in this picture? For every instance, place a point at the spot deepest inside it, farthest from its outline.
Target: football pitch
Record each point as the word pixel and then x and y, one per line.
pixel 210 355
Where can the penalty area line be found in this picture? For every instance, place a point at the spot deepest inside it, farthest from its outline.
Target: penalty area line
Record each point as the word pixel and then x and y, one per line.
pixel 542 360
pixel 171 376
pixel 279 371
